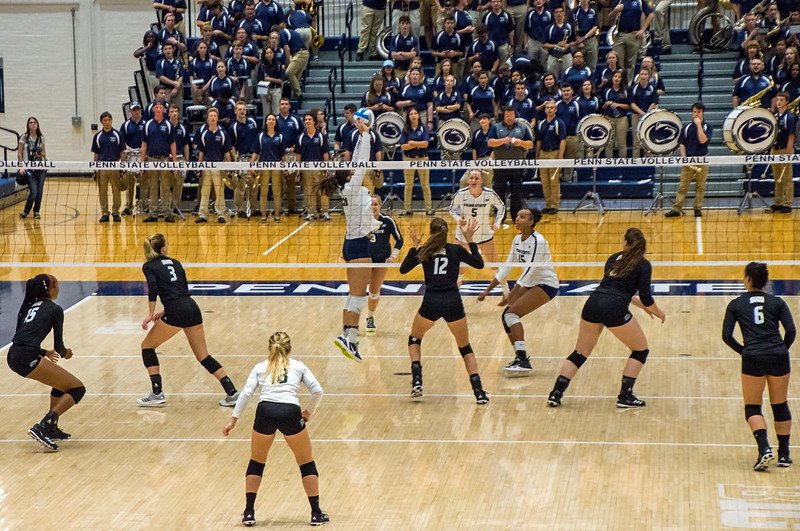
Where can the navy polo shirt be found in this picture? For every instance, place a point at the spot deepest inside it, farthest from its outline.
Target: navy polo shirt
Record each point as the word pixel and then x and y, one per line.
pixel 293 39
pixel 536 24
pixel 289 127
pixel 384 98
pixel 420 95
pixel 252 27
pixel 165 34
pixel 482 100
pixel 588 106
pixel 631 17
pixel 108 145
pixel 269 148
pixel 214 144
pixel 375 145
pixel 269 14
pixel 793 89
pixel 217 83
pixel 179 4
pixel 543 97
pixel 644 97
pixel 159 136
pixel 620 96
pixel 500 26
pixel 420 134
pixel 298 19
pixel 244 134
pixel 445 42
pixel 688 138
pixel 749 86
pixel 222 23
pixel 501 86
pixel 584 20
pixel 200 69
pixel 551 133
pixel 343 134
pixel 786 126
pixel 311 148
pixel 399 43
pixel 443 100
pixel 556 34
pixel 576 76
pixel 132 133
pixel 569 114
pixel 463 20
pixel 170 69
pixel 438 84
pixel 467 84
pixel 488 51
pixel 213 49
pixel 480 141
pixel 239 68
pixel 181 138
pixel 524 108
pixel 227 110
pixel 152 56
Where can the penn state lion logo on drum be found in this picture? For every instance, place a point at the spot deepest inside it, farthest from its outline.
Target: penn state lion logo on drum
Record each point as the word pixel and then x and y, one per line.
pixel 595 131
pixel 750 130
pixel 660 131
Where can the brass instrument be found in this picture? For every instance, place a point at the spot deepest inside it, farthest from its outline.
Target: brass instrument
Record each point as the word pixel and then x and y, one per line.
pixel 793 105
pixel 758 8
pixel 317 40
pixel 755 99
pixel 313 8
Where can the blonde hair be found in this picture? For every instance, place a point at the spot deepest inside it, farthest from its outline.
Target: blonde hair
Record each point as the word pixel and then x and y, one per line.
pixel 153 246
pixel 278 360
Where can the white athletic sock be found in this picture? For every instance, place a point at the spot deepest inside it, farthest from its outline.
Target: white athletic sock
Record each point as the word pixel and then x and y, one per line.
pixel 519 345
pixel 370 313
pixel 352 334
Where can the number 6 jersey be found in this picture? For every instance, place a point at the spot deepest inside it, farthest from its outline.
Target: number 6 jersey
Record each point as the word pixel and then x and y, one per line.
pixel 758 315
pixel 165 278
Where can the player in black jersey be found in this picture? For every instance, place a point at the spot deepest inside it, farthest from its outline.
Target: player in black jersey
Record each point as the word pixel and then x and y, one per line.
pixel 765 359
pixel 626 273
pixel 167 279
pixel 440 262
pixel 26 357
pixel 382 252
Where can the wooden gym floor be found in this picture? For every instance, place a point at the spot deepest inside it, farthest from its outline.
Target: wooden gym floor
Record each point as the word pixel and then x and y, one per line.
pixel 683 462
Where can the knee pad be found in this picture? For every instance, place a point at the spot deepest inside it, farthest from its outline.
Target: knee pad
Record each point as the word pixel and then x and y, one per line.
pixel 374 296
pixel 640 355
pixel 781 413
pixel 149 357
pixel 77 393
pixel 503 320
pixel 465 350
pixel 751 410
pixel 309 469
pixel 414 341
pixel 210 364
pixel 56 393
pixel 254 468
pixel 355 304
pixel 577 358
pixel 510 319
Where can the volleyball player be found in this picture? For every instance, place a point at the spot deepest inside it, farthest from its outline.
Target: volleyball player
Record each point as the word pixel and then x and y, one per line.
pixel 382 252
pixel 537 285
pixel 626 273
pixel 440 262
pixel 360 223
pixel 279 409
pixel 38 314
pixel 167 279
pixel 765 359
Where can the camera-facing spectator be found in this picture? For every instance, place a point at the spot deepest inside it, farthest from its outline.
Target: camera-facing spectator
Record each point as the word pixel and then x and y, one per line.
pixel 107 146
pixel 32 148
pixel 170 72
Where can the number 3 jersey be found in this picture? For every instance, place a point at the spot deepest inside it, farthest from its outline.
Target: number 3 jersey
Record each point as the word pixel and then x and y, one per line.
pixel 166 279
pixel 441 270
pixel 759 315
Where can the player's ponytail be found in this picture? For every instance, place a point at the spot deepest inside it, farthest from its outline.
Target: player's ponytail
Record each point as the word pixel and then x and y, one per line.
pixel 333 183
pixel 278 360
pixel 153 246
pixel 436 240
pixel 635 247
pixel 36 289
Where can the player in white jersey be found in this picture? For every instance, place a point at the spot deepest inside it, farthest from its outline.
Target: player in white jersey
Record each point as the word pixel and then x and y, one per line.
pixel 357 206
pixel 537 285
pixel 279 409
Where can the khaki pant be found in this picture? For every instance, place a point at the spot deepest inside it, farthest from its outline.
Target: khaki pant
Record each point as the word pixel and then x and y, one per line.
pixel 416 28
pixel 700 175
pixel 371 22
pixel 209 179
pixel 246 190
pixel 373 179
pixel 620 126
pixel 178 178
pixel 503 52
pixel 144 179
pixel 198 95
pixel 551 180
pixel 295 71
pixel 627 47
pixel 637 142
pixel 661 21
pixel 590 52
pixel 518 15
pixel 424 182
pixel 274 177
pixel 572 150
pixel 104 178
pixel 130 191
pixel 158 181
pixel 313 198
pixel 289 185
pixel 784 185
pixel 271 102
pixel 558 65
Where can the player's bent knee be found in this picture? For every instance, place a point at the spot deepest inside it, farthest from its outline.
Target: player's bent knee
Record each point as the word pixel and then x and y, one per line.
pixel 254 468
pixel 752 410
pixel 640 355
pixel 56 393
pixel 210 364
pixel 576 358
pixel 309 469
pixel 510 319
pixel 781 413
pixel 374 296
pixel 414 341
pixel 149 357
pixel 77 393
pixel 465 351
pixel 503 320
pixel 355 304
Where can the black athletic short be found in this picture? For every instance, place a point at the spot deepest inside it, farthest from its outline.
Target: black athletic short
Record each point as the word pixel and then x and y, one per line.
pixel 380 259
pixel 609 310
pixel 183 313
pixel 766 365
pixel 23 359
pixel 271 416
pixel 445 305
pixel 356 248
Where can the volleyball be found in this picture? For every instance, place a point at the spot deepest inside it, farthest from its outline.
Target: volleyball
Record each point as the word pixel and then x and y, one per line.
pixel 365 115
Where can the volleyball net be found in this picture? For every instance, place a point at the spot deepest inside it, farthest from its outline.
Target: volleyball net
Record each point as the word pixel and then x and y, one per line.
pixel 69 231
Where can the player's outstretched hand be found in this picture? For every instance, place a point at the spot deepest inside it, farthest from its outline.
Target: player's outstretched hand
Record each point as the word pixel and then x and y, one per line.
pixel 415 237
pixel 469 226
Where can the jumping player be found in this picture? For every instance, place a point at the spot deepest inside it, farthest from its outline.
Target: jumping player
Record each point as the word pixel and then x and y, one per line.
pixel 167 279
pixel 626 273
pixel 440 262
pixel 382 252
pixel 279 409
pixel 765 360
pixel 26 357
pixel 537 285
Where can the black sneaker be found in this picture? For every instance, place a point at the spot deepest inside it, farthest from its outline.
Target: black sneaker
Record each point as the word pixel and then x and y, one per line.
pixel 242 214
pixel 765 458
pixel 360 56
pixel 201 219
pixel 698 213
pixel 518 367
pixel 169 218
pixel 629 400
pixel 249 518
pixel 221 219
pixel 673 214
pixel 39 434
pixel 150 219
pixel 126 211
pixel 320 518
pixel 57 434
pixel 481 397
pixel 116 217
pixel 104 218
pixel 785 210
pixel 416 388
pixel 784 461
pixel 554 399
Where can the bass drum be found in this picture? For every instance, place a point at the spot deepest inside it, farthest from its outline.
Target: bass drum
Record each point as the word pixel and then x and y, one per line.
pixel 750 130
pixel 383 42
pixel 659 131
pixel 389 128
pixel 595 131
pixel 454 135
pixel 196 114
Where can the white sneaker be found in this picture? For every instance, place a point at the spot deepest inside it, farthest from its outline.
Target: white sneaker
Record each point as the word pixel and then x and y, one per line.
pixel 326 216
pixel 152 400
pixel 229 401
pixel 350 350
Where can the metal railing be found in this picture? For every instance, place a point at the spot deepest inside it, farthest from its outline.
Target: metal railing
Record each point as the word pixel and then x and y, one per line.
pixel 348 21
pixel 333 77
pixel 341 48
pixel 8 148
